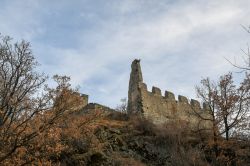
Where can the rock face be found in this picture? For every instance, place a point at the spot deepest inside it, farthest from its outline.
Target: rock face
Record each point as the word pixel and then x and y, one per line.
pixel 162 109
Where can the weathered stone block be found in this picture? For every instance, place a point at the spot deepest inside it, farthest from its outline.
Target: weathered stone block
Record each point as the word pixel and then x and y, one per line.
pixel 143 86
pixel 195 103
pixel 169 95
pixel 182 99
pixel 85 97
pixel 206 106
pixel 156 91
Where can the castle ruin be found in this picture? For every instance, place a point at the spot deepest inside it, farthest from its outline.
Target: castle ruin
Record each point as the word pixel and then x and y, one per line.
pixel 163 109
pixel 155 107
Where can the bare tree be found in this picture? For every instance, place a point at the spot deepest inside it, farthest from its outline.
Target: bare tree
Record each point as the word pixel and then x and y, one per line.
pixel 18 85
pixel 22 101
pixel 228 104
pixel 245 66
pixel 247 28
pixel 205 92
pixel 123 106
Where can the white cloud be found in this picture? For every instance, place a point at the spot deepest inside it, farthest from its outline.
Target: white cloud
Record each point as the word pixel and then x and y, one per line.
pixel 20 19
pixel 178 41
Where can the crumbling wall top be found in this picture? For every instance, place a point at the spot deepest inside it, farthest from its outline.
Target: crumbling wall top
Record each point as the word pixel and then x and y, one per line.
pixel 182 99
pixel 156 91
pixel 169 95
pixel 195 103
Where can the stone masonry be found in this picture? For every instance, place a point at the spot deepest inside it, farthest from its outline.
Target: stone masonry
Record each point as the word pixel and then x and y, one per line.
pixel 163 109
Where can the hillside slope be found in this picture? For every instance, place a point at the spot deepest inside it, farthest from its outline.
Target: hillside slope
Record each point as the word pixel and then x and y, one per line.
pixel 115 139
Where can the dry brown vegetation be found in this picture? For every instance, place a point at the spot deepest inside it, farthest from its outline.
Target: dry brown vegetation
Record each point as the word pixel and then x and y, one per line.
pixel 32 120
pixel 187 148
pixel 40 125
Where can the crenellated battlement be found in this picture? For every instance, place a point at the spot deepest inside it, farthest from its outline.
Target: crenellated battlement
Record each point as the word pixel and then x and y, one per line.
pixel 162 107
pixel 156 91
pixel 195 103
pixel 170 96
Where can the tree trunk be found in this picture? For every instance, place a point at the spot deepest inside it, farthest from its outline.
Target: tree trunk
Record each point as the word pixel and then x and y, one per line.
pixel 226 129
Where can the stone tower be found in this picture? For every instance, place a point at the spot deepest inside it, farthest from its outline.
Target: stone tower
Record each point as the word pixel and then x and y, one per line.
pixel 134 99
pixel 164 108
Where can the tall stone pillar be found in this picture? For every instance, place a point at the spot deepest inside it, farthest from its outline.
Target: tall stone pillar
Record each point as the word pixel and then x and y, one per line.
pixel 134 95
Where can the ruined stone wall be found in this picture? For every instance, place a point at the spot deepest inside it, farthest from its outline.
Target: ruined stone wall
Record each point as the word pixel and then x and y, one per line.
pixel 96 106
pixel 163 109
pixel 84 100
pixel 81 98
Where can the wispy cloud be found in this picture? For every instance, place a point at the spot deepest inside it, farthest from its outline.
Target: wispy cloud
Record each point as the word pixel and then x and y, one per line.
pixel 95 41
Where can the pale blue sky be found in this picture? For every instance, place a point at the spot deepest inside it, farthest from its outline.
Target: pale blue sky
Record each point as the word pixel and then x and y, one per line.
pixel 94 41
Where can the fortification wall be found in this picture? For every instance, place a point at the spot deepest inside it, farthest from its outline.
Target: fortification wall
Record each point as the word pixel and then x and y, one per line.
pixel 163 109
pixel 96 106
pixel 84 100
pixel 81 98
